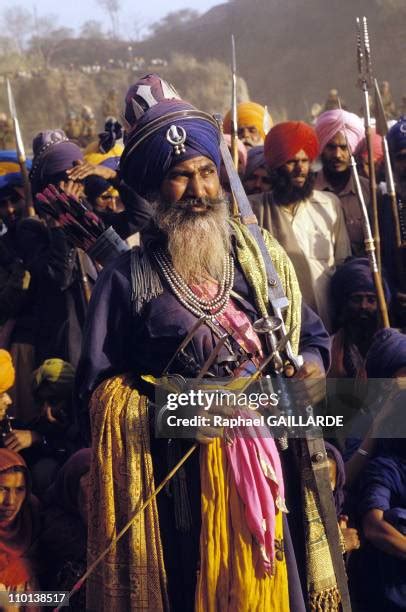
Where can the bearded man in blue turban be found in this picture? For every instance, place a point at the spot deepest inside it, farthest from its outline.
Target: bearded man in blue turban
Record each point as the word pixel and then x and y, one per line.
pixel 394 258
pixel 158 311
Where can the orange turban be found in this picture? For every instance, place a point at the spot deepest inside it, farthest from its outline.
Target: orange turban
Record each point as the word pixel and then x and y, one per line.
pixel 7 373
pixel 248 113
pixel 288 138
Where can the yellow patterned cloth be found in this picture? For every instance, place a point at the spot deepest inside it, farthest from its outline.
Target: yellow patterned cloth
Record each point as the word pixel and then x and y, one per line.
pixel 323 593
pixel 230 578
pixel 132 576
pixel 252 263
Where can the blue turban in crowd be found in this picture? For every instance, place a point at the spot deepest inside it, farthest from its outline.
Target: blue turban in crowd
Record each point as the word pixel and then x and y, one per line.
pixel 387 354
pixel 153 107
pixel 10 172
pixel 255 159
pixel 54 153
pixel 396 136
pixel 338 493
pixel 353 276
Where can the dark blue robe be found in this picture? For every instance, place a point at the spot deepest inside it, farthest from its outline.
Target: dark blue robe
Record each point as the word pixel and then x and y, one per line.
pixel 118 341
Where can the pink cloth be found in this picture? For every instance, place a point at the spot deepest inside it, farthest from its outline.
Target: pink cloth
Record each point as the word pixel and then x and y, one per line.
pixel 257 472
pixel 376 147
pixel 242 151
pixel 331 122
pixel 252 453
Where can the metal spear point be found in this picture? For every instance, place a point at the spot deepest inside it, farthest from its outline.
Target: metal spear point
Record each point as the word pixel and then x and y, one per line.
pixel 365 81
pixel 368 238
pixel 20 151
pixel 360 55
pixel 368 61
pixel 234 117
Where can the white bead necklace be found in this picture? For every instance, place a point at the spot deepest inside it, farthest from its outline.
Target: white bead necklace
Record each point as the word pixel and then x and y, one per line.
pixel 211 308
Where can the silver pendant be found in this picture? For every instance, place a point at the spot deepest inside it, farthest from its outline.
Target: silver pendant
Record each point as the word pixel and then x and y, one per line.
pixel 176 136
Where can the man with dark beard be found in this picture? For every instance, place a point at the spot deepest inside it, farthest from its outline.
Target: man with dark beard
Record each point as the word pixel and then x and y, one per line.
pixel 309 224
pixel 394 258
pixel 334 128
pixel 193 264
pixel 356 317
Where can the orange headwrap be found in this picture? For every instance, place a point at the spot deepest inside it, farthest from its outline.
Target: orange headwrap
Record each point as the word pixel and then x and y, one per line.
pixel 7 373
pixel 288 138
pixel 248 113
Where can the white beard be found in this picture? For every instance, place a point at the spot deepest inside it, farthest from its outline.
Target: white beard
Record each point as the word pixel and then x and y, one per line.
pixel 197 242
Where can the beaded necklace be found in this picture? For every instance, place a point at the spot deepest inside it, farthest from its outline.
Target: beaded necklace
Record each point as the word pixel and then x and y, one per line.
pixel 199 306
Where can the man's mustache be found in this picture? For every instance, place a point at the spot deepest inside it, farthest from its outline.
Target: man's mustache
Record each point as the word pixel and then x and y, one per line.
pixel 209 203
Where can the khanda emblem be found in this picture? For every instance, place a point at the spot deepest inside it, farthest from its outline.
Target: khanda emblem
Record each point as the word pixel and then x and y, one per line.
pixel 176 136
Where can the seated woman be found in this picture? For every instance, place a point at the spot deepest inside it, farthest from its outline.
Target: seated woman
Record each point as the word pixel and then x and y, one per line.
pixel 18 526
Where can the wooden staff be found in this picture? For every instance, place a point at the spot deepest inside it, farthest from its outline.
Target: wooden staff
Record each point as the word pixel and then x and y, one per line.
pixel 84 279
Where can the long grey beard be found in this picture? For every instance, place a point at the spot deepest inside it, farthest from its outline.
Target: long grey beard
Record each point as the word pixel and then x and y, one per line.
pixel 197 242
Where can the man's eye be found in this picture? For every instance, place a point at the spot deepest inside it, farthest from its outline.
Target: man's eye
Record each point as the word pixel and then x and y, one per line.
pixel 207 171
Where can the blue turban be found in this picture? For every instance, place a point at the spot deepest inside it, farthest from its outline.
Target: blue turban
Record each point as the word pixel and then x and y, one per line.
pixel 397 136
pixel 353 276
pixel 387 354
pixel 10 172
pixel 255 159
pixel 54 153
pixel 148 156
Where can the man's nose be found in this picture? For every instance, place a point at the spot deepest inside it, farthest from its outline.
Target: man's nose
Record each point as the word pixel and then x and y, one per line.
pixel 195 187
pixel 9 499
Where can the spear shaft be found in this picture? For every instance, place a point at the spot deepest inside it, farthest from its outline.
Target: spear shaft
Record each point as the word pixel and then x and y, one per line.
pixel 234 118
pixel 365 79
pixel 369 241
pixel 382 130
pixel 20 152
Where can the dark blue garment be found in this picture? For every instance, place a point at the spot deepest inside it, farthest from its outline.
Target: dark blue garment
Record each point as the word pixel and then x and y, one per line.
pixel 383 487
pixel 117 341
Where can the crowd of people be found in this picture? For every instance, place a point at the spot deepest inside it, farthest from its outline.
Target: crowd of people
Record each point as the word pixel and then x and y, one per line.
pixel 85 340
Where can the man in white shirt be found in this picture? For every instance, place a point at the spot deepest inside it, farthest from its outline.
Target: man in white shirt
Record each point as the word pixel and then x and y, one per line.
pixel 308 223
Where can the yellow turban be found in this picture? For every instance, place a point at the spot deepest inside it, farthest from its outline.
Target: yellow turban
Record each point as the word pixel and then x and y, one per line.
pixel 54 370
pixel 7 372
pixel 93 155
pixel 250 113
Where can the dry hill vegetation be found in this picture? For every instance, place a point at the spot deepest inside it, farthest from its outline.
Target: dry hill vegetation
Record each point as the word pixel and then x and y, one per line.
pixel 289 54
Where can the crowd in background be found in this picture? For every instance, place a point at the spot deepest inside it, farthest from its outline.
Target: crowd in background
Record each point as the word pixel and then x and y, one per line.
pixel 299 181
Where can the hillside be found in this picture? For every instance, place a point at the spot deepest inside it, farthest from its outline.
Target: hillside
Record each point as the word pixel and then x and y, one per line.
pixel 291 52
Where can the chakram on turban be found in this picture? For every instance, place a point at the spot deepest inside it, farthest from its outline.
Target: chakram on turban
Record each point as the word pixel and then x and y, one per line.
pixel 397 136
pixel 161 132
pixel 332 122
pixel 286 139
pixel 248 114
pixel 7 373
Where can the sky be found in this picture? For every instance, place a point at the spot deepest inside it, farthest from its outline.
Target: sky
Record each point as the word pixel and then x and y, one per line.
pixel 72 13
